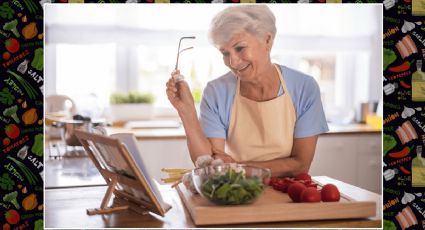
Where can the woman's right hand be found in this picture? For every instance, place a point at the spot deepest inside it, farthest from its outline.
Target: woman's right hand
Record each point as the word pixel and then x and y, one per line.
pixel 178 93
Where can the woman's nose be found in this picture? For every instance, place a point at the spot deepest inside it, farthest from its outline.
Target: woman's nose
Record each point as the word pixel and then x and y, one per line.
pixel 234 61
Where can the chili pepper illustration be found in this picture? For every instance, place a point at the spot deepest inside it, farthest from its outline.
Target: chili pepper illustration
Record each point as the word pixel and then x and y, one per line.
pixel 402 153
pixel 404 170
pixel 400 68
pixel 405 85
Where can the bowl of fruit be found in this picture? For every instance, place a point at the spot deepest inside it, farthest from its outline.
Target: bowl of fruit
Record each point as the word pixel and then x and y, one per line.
pixel 231 183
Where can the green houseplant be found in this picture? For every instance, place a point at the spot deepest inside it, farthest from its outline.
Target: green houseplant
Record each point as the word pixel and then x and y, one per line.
pixel 131 106
pixel 131 98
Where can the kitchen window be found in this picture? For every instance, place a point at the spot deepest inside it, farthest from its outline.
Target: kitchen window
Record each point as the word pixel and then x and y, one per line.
pixel 86 73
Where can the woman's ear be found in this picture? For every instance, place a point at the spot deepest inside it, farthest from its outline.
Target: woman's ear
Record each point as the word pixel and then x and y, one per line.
pixel 269 41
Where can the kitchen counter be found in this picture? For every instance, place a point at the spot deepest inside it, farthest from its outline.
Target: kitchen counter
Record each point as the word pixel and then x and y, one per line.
pixel 178 133
pixel 66 208
pixel 351 128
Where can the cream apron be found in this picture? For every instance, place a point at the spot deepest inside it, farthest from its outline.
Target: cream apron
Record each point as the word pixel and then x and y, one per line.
pixel 261 131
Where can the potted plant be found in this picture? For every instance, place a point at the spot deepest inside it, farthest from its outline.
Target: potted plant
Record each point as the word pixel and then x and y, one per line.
pixel 131 106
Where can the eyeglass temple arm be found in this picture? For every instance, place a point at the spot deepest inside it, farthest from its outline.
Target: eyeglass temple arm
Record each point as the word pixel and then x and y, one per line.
pixel 178 49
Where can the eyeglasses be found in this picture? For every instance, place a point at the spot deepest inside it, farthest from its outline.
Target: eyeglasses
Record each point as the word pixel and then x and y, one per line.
pixel 180 51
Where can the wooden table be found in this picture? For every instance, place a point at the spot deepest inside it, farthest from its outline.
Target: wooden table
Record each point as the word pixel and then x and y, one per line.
pixel 66 208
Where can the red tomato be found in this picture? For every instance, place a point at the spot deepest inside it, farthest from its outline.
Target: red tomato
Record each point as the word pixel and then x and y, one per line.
pixel 12 131
pixel 288 180
pixel 12 216
pixel 330 193
pixel 12 45
pixel 272 180
pixel 303 176
pixel 310 184
pixel 6 141
pixel 6 227
pixel 6 55
pixel 310 195
pixel 295 190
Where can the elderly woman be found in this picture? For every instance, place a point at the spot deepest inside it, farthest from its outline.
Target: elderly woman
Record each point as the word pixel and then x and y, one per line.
pixel 260 113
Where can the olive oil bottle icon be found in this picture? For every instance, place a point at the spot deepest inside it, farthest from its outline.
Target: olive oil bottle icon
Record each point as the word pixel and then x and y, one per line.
pixel 418 168
pixel 418 83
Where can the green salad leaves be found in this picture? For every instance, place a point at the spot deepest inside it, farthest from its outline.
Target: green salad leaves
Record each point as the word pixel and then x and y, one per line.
pixel 232 188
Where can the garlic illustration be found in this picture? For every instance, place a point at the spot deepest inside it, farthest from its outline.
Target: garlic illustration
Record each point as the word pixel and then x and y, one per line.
pixel 407 198
pixel 418 194
pixel 407 112
pixel 388 4
pixel 390 88
pixel 407 26
pixel 389 174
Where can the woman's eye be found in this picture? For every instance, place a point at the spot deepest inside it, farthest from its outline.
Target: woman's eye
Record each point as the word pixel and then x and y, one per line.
pixel 239 49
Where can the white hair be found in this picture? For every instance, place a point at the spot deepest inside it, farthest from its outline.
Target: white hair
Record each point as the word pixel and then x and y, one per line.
pixel 254 19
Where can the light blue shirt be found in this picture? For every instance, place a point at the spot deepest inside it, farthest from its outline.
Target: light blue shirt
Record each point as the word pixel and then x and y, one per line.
pixel 217 102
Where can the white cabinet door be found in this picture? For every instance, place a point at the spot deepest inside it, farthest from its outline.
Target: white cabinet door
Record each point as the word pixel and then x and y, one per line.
pixel 369 161
pixel 158 154
pixel 369 173
pixel 335 157
pixel 352 158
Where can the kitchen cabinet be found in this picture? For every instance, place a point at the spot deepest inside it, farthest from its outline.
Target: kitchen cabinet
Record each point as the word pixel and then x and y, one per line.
pixel 170 153
pixel 354 158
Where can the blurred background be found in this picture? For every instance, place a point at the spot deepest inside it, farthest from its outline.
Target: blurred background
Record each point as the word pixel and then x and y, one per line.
pixel 93 51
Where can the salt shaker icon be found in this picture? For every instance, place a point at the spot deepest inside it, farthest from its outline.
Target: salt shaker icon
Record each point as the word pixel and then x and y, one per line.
pixel 22 68
pixel 390 88
pixel 22 153
pixel 390 173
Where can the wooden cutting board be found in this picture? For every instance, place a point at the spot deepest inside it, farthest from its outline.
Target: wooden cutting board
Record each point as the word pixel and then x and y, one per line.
pixel 272 206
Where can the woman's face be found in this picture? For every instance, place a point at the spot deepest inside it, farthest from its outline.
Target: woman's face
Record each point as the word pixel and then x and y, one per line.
pixel 246 55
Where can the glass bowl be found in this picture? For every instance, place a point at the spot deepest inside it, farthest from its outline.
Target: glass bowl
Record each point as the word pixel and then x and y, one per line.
pixel 231 183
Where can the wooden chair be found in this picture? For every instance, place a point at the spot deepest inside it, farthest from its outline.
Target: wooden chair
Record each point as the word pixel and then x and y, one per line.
pixel 125 178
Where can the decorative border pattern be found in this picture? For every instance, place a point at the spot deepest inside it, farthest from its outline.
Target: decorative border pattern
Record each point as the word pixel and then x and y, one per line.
pixel 21 109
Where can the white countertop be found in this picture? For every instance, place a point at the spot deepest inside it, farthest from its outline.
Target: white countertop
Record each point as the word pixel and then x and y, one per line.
pixel 178 133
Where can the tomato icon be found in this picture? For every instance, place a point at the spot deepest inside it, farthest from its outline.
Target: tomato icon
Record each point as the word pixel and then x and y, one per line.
pixel 12 45
pixel 12 131
pixel 12 216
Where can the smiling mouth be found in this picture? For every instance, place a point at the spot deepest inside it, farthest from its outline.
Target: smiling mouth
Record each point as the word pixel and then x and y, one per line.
pixel 242 69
